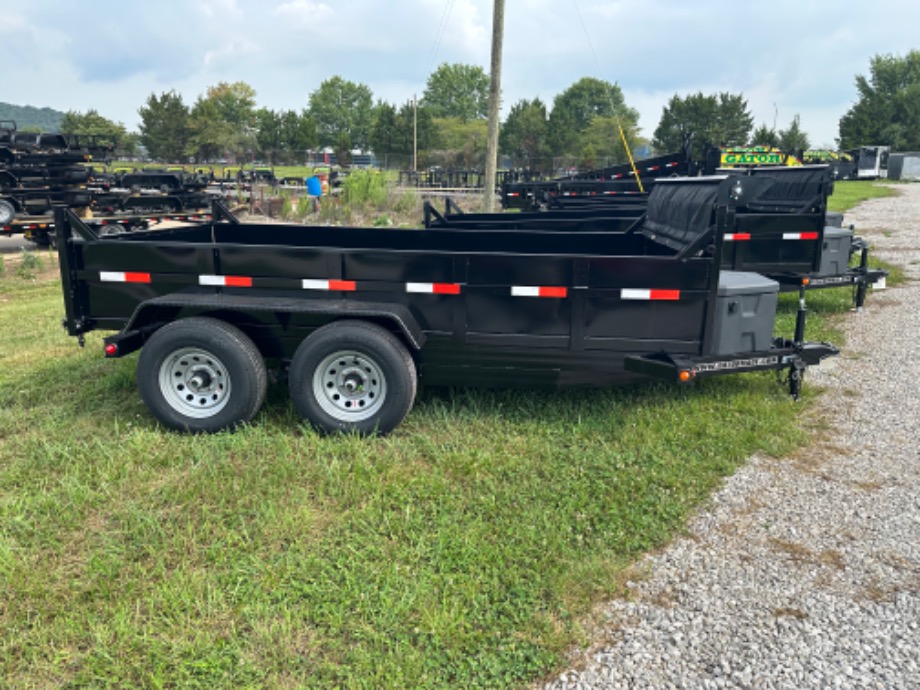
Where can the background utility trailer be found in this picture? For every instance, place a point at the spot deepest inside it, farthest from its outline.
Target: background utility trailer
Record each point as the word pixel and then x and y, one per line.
pixel 360 315
pixel 782 228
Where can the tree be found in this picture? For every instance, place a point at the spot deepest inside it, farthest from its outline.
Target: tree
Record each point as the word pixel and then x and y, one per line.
pixel 164 126
pixel 394 130
pixel 235 103
pixel 210 136
pixel 341 107
pixel 298 132
pixel 92 123
pixel 601 141
pixel 462 142
pixel 342 149
pixel 793 139
pixel 384 129
pixel 718 119
pixel 415 122
pixel 888 109
pixel 269 138
pixel 576 107
pixel 524 136
pixel 458 91
pixel 763 136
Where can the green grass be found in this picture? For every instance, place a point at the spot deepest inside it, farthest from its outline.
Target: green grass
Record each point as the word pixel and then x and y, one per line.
pixel 466 550
pixel 848 193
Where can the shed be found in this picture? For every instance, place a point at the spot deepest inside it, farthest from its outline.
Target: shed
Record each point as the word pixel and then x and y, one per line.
pixel 904 166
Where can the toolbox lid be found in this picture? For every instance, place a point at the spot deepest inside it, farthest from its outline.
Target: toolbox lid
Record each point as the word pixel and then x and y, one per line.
pixel 836 233
pixel 733 283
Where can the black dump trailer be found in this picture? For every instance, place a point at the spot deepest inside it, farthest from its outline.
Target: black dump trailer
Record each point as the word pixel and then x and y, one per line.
pixel 783 228
pixel 359 317
pixel 790 236
pixel 621 183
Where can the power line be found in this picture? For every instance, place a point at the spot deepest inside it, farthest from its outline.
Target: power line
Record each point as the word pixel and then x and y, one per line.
pixel 613 105
pixel 445 19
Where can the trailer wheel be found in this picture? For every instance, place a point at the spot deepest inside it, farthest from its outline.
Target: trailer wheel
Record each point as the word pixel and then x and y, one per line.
pixel 7 212
pixel 353 376
pixel 201 375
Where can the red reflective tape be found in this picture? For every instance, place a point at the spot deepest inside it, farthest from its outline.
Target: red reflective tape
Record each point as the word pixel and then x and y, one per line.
pixel 809 235
pixel 539 291
pixel 122 277
pixel 558 292
pixel 738 237
pixel 225 281
pixel 434 288
pixel 137 277
pixel 657 295
pixel 343 285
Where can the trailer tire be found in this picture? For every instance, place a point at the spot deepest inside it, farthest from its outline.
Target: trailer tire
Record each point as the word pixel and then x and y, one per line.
pixel 201 375
pixel 353 377
pixel 7 212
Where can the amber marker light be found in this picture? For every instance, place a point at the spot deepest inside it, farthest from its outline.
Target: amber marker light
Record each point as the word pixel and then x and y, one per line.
pixel 685 375
pixel 806 281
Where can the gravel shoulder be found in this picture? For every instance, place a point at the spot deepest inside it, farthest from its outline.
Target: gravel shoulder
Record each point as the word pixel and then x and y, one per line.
pixel 802 572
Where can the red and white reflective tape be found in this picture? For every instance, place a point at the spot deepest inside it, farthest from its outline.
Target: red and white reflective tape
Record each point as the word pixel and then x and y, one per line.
pixel 800 235
pixel 123 277
pixel 434 288
pixel 654 295
pixel 539 291
pixel 225 281
pixel 334 285
pixel 738 237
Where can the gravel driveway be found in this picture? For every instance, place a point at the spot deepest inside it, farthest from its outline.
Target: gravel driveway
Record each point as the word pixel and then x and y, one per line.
pixel 802 572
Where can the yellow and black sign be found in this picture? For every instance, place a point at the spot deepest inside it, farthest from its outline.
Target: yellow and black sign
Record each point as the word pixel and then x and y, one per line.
pixel 756 155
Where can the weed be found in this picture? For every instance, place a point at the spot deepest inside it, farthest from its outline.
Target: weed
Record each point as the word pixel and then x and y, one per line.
pixel 30 264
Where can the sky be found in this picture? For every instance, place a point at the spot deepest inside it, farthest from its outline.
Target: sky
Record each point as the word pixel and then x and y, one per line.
pixel 787 57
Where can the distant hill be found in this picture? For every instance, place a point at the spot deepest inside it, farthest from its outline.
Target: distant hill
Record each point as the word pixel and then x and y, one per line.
pixel 28 117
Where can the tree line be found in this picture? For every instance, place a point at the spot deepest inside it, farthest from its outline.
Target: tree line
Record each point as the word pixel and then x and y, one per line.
pixel 447 126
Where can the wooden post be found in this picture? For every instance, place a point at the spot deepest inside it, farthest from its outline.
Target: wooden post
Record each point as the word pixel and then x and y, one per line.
pixel 495 92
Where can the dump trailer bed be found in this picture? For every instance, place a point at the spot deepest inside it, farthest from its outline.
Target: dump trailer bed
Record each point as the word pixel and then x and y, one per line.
pixel 359 316
pixel 783 229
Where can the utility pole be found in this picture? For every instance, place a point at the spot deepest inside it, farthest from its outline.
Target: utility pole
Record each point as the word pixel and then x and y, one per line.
pixel 414 134
pixel 495 93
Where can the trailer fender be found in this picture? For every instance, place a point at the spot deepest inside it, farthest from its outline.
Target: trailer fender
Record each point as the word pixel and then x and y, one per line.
pixel 154 313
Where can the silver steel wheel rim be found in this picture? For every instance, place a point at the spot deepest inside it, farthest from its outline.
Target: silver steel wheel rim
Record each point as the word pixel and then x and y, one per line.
pixel 195 383
pixel 7 213
pixel 349 386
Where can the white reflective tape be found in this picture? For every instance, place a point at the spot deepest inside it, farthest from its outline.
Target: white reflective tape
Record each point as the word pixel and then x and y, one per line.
pixel 212 280
pixel 524 291
pixel 421 288
pixel 635 294
pixel 112 276
pixel 434 288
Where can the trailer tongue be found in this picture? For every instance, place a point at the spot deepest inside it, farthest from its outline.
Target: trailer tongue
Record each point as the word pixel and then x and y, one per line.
pixel 360 316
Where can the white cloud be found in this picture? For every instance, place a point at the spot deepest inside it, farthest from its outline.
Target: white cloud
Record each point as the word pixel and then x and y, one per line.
pixel 800 56
pixel 303 13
